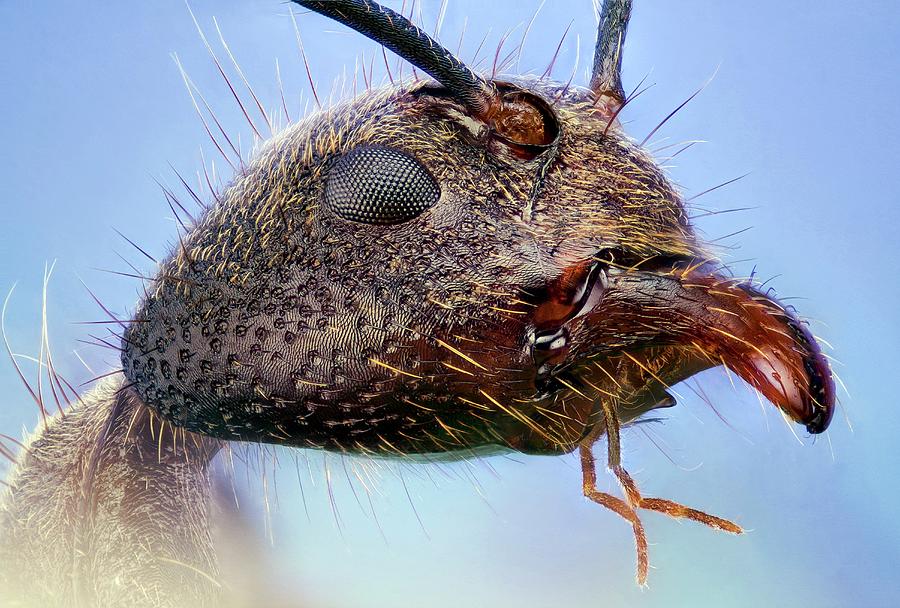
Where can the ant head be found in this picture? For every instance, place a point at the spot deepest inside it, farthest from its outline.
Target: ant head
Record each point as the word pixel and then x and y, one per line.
pixel 452 264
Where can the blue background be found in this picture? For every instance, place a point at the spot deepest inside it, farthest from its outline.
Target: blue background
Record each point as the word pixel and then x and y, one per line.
pixel 805 99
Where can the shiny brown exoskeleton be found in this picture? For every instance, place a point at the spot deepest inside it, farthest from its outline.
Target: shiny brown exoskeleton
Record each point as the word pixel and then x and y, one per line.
pixel 441 267
pixel 449 266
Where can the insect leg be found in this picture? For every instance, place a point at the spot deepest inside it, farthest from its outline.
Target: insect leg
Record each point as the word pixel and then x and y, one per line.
pixel 617 506
pixel 661 505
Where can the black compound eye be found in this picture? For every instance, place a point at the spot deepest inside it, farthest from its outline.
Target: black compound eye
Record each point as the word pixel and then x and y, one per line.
pixel 379 185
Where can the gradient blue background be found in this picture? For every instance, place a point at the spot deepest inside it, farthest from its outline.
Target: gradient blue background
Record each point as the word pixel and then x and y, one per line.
pixel 805 98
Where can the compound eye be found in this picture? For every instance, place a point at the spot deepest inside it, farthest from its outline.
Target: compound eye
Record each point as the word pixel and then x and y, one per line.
pixel 380 185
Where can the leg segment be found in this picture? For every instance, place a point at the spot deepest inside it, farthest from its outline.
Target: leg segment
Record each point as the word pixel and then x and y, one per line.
pixel 617 506
pixel 627 509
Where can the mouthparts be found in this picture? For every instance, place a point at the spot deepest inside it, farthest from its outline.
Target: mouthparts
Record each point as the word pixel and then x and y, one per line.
pixel 722 321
